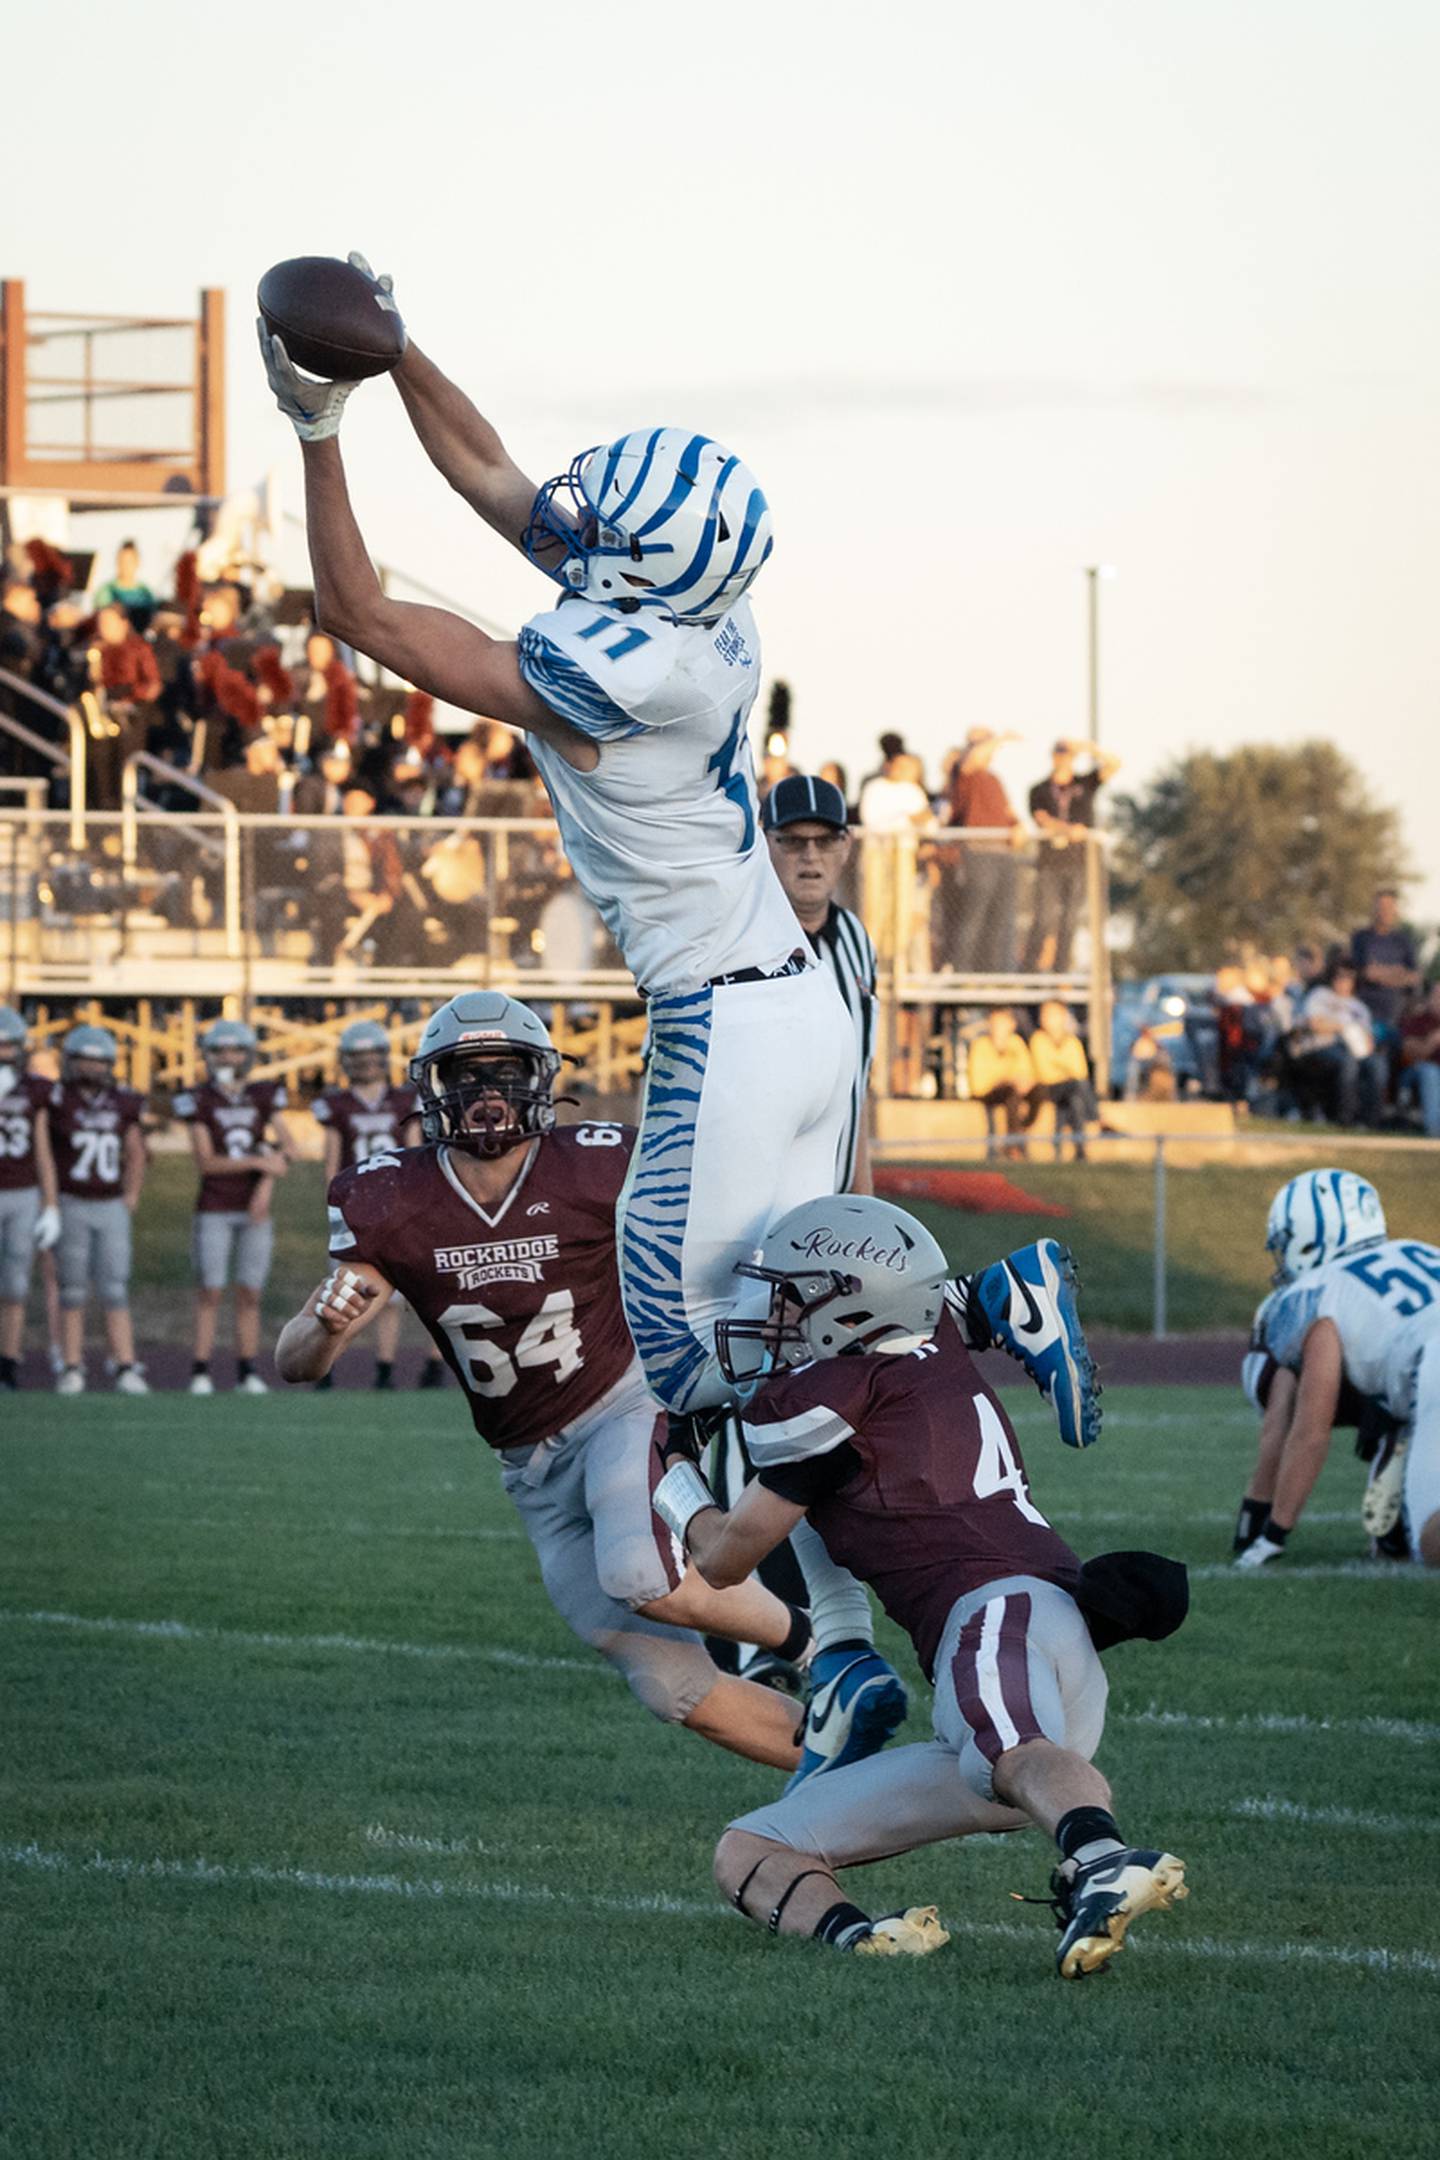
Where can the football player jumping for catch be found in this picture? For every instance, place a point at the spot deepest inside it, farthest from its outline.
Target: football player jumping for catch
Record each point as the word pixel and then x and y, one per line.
pixel 634 692
pixel 869 1416
pixel 1355 1318
pixel 500 1231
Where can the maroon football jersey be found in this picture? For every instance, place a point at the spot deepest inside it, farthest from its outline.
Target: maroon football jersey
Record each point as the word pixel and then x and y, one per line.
pixel 522 1302
pixel 237 1125
pixel 366 1129
pixel 935 1503
pixel 17 1131
pixel 87 1133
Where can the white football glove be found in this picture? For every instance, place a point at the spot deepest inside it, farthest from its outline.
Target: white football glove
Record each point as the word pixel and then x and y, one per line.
pixel 385 282
pixel 312 408
pixel 47 1229
pixel 344 1295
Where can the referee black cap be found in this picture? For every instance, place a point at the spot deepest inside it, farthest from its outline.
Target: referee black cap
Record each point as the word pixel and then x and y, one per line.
pixel 798 797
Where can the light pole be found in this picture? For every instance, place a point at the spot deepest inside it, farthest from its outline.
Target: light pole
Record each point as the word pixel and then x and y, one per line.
pixel 1094 572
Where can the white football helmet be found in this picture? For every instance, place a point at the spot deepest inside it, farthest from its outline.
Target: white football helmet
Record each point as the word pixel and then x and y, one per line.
pixel 846 1273
pixel 1319 1215
pixel 365 1052
pixel 661 519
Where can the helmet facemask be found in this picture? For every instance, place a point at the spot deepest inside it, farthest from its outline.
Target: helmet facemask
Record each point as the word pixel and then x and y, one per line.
pixel 91 1075
pixel 365 1068
pixel 818 1314
pixel 487 1101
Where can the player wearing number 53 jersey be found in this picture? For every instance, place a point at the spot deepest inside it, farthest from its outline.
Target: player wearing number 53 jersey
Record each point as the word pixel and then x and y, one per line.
pixel 100 1167
pixel 871 1419
pixel 500 1232
pixel 1353 1306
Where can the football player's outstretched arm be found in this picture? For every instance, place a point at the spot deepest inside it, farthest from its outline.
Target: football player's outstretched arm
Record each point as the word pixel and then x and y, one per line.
pixel 427 646
pixel 460 443
pixel 335 1312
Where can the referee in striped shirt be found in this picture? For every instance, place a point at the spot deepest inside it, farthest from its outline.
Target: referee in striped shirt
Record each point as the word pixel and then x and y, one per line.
pixel 805 823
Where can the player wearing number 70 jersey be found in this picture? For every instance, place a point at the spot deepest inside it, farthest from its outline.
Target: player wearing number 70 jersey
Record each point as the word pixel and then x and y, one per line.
pixel 500 1231
pixel 99 1153
pixel 1355 1306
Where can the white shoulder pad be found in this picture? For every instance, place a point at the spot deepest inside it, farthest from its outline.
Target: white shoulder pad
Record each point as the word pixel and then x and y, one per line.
pixel 614 675
pixel 796 1439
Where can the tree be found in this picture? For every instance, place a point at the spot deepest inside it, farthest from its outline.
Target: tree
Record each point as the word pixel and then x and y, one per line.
pixel 1263 846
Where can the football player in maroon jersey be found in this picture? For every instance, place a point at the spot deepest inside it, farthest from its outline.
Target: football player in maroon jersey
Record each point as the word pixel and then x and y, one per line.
pixel 500 1231
pixel 29 1207
pixel 867 1414
pixel 241 1146
pixel 368 1117
pixel 100 1160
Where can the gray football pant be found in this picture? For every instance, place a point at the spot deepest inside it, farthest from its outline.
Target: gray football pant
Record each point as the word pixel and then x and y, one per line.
pixel 584 1499
pixel 95 1246
pixel 220 1241
pixel 18 1213
pixel 1016 1663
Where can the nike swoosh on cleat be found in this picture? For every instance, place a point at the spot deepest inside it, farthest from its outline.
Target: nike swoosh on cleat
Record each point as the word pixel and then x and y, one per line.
pixel 1033 1324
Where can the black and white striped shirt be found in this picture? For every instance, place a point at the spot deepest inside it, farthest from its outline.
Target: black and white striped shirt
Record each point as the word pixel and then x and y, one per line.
pixel 845 946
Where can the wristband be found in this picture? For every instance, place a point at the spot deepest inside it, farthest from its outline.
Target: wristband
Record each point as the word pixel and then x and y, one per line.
pixel 680 1496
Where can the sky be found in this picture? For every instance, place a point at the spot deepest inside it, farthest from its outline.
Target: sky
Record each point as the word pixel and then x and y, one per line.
pixel 983 296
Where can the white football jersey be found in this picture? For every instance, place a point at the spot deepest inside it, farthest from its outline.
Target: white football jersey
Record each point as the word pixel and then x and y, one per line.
pixel 664 836
pixel 1385 1303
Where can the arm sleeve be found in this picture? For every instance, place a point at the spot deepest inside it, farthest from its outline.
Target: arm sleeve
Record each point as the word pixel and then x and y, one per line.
pixel 808 1482
pixel 570 692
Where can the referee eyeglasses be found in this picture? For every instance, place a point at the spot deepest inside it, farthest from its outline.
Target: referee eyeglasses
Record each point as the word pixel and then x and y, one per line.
pixel 796 843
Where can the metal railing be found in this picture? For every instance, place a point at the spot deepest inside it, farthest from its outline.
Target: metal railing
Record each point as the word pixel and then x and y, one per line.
pixel 228 848
pixel 74 765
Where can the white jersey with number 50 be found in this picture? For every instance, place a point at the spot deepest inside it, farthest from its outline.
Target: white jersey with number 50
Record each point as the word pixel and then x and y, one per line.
pixel 1385 1303
pixel 664 835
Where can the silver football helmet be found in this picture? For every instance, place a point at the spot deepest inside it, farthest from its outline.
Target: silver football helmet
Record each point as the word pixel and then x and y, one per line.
pixel 485 1071
pixel 88 1057
pixel 365 1052
pixel 14 1040
pixel 229 1048
pixel 847 1273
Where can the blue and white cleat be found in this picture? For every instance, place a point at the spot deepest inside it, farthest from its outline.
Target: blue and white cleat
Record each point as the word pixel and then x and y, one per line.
pixel 857 1701
pixel 1029 1303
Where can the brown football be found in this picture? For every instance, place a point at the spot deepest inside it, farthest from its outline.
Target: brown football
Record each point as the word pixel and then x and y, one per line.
pixel 335 321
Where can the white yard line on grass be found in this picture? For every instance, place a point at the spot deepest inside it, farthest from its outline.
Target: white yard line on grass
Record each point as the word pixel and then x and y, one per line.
pixel 182 1631
pixel 1407 1964
pixel 1395 1571
pixel 1334 1818
pixel 1415 1730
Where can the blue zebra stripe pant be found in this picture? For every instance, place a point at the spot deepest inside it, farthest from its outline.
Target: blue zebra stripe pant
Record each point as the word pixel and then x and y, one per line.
pixel 746 1111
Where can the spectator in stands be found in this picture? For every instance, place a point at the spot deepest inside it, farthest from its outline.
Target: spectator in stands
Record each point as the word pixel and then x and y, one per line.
pixel 836 774
pixel 1149 1074
pixel 1062 1075
pixel 328 702
pixel 406 785
pixel 254 784
pixel 1387 969
pixel 126 684
pixel 1420 1057
pixel 321 793
pixel 1335 1062
pixel 1242 1032
pixel 986 870
pixel 1002 1076
pixel 127 589
pixel 22 644
pixel 894 811
pixel 1063 807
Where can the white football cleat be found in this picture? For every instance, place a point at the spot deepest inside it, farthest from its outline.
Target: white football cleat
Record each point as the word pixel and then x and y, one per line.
pixel 1258 1552
pixel 131 1381
pixel 71 1381
pixel 202 1384
pixel 1385 1493
pixel 252 1384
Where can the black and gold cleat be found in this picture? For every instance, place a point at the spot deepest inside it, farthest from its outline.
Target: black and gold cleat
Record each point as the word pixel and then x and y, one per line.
pixel 1094 1906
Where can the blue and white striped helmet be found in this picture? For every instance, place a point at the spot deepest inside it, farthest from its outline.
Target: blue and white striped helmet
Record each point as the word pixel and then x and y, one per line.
pixel 1319 1215
pixel 663 518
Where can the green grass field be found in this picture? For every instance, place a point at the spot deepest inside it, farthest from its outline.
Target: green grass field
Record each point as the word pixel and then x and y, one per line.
pixel 1217 1264
pixel 321 1836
